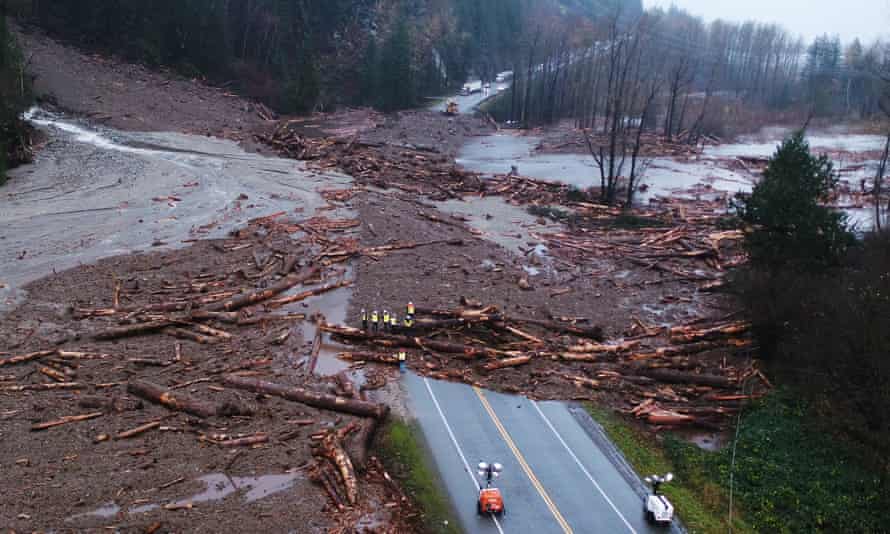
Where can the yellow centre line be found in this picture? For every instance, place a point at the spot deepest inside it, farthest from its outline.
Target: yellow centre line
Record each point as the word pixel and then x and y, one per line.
pixel 525 467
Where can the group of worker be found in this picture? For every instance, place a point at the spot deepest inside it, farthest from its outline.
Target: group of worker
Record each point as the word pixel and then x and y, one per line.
pixel 386 321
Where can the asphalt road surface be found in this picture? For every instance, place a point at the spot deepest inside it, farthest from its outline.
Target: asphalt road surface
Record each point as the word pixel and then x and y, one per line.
pixel 466 104
pixel 556 478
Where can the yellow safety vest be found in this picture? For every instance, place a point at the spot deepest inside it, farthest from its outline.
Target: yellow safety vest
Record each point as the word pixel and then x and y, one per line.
pixel 374 317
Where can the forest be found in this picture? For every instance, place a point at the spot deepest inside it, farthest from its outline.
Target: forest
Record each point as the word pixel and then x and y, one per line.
pixel 304 55
pixel 14 98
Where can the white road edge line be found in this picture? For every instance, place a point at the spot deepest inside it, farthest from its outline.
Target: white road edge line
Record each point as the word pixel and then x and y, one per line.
pixel 583 469
pixel 460 451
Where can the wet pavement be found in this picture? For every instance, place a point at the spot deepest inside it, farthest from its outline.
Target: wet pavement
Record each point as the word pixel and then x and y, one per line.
pixel 95 193
pixel 557 478
pixel 467 104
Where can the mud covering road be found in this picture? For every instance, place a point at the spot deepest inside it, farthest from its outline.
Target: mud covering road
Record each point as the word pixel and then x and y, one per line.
pixel 98 193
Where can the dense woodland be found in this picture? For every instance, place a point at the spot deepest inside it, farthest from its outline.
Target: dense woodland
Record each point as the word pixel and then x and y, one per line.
pixel 14 97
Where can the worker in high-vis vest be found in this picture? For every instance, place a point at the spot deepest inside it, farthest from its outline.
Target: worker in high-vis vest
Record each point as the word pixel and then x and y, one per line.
pixel 403 358
pixel 393 323
pixel 375 320
pixel 410 310
pixel 409 322
pixel 364 320
pixel 385 320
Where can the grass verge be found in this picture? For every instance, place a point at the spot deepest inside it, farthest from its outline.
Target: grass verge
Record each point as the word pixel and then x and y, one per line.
pixel 700 502
pixel 790 476
pixel 403 453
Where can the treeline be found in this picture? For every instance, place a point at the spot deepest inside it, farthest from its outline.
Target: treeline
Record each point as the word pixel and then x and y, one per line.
pixel 562 71
pixel 14 98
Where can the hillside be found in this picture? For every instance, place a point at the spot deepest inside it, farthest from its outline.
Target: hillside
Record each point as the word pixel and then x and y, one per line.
pixel 304 55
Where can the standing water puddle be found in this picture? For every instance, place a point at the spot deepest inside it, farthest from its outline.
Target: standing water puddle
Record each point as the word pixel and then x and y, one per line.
pixel 712 175
pixel 218 486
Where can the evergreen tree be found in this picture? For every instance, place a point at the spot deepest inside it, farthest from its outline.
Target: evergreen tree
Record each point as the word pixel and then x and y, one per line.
pixel 396 72
pixel 14 94
pixel 786 213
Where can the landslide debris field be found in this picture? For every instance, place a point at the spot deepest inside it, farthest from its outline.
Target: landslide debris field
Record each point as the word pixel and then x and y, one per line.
pixel 206 386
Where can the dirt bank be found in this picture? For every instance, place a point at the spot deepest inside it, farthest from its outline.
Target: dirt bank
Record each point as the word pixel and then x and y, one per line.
pixel 131 97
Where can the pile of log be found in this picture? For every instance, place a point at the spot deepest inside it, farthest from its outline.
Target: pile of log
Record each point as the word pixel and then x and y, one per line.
pixel 697 370
pixel 205 379
pixel 693 250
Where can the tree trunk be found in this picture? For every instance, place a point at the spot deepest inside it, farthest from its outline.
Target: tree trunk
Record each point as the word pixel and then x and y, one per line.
pixel 309 398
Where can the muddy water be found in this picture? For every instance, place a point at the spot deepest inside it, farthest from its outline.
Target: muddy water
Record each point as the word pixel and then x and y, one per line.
pixel 217 486
pixel 94 193
pixel 713 174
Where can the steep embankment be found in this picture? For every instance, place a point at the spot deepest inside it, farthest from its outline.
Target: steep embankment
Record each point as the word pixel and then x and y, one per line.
pixel 132 97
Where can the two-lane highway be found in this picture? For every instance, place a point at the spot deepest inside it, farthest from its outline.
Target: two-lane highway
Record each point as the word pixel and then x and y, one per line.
pixel 555 479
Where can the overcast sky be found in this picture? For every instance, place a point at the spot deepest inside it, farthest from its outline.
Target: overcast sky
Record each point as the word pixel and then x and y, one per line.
pixel 866 19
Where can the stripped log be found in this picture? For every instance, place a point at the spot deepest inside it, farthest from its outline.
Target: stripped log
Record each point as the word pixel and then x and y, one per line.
pixel 277 303
pixel 677 377
pixel 131 330
pixel 256 297
pixel 248 441
pixel 65 420
pixel 182 333
pixel 138 430
pixel 375 357
pixel 686 334
pixel 44 387
pixel 178 402
pixel 27 357
pixel 332 448
pixel 469 352
pixel 509 362
pixel 589 332
pixel 310 398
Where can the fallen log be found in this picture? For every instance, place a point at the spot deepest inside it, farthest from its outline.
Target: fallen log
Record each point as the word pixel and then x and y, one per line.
pixel 375 357
pixel 332 449
pixel 361 443
pixel 178 402
pixel 65 420
pixel 667 417
pixel 44 387
pixel 509 362
pixel 255 297
pixel 138 430
pixel 182 333
pixel 590 332
pixel 248 441
pixel 310 398
pixel 27 357
pixel 131 330
pixel 277 303
pixel 54 374
pixel 469 352
pixel 685 334
pixel 678 377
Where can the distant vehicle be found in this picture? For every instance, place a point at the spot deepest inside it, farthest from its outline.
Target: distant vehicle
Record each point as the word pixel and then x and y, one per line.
pixel 471 87
pixel 504 76
pixel 658 509
pixel 487 85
